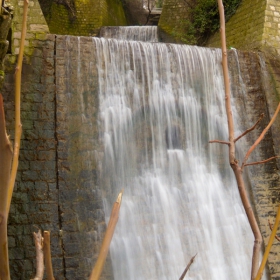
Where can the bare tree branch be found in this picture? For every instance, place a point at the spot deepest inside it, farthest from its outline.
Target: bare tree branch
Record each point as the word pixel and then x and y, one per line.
pixel 6 156
pixel 268 247
pixel 249 129
pixel 260 162
pixel 261 136
pixel 18 126
pixel 187 267
pixel 232 159
pixel 220 142
pixel 271 228
pixel 96 272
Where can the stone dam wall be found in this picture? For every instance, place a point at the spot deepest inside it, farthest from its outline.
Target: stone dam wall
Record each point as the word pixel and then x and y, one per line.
pixel 53 192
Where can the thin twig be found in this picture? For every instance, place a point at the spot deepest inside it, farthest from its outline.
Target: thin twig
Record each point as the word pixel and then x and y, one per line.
pixel 261 136
pixel 187 267
pixel 220 142
pixel 260 162
pixel 271 228
pixel 250 129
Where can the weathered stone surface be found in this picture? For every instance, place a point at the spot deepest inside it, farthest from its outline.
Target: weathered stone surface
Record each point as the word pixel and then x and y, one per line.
pixel 82 18
pixel 77 168
pixel 57 186
pixel 35 200
pixel 264 179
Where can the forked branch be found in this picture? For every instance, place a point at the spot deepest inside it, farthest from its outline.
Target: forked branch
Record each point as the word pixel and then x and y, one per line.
pixel 249 129
pixel 261 136
pixel 232 159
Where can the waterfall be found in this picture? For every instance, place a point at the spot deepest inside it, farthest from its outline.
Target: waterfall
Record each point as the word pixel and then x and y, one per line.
pixel 159 105
pixel 135 33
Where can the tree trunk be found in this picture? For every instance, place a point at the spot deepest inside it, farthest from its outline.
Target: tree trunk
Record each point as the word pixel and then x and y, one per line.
pixel 9 158
pixel 232 160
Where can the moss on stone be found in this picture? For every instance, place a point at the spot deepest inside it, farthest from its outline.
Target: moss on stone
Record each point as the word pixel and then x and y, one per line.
pixel 88 18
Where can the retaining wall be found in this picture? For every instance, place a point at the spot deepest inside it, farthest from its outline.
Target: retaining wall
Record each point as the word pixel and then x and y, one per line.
pixel 86 17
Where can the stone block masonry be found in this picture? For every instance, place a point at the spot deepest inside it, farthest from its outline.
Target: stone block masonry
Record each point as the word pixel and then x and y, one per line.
pixel 35 199
pixel 172 20
pixel 58 187
pixel 245 28
pixel 37 27
pixel 271 35
pixel 255 26
pixel 263 183
pixel 86 18
pixel 78 150
pixel 54 191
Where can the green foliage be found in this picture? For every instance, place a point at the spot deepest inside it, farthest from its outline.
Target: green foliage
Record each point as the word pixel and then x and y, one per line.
pixel 203 19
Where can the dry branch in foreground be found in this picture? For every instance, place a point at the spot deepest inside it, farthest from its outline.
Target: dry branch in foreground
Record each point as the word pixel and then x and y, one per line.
pixel 9 159
pixel 5 168
pixel 187 267
pixel 18 126
pixel 38 239
pixel 268 247
pixel 96 272
pixel 250 129
pixel 261 136
pixel 47 255
pixel 271 228
pixel 238 172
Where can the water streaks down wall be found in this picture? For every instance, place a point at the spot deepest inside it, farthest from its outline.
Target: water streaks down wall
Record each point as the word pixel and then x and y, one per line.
pixel 158 119
pixel 85 130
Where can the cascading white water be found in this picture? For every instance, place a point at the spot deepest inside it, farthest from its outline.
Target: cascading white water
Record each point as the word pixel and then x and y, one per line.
pixel 159 106
pixel 131 33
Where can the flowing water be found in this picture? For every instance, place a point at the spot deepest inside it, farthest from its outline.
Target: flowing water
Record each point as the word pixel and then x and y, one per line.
pixel 135 33
pixel 159 106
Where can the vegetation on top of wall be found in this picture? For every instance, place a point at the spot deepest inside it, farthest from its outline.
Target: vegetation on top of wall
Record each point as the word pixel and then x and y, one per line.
pixel 203 20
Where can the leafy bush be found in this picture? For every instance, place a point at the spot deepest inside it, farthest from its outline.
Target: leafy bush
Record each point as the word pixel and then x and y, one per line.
pixel 203 19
